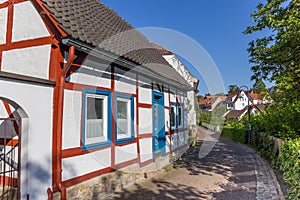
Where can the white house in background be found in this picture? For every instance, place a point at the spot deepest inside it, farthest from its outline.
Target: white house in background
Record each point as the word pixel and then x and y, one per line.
pixel 237 103
pixel 239 114
pixel 80 103
pixel 174 61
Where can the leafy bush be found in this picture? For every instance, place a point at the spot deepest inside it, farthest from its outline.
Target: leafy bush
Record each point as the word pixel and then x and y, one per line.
pixel 289 164
pixel 280 120
pixel 235 133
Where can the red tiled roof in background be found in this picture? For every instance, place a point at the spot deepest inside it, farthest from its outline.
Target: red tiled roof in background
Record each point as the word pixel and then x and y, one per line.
pixel 232 94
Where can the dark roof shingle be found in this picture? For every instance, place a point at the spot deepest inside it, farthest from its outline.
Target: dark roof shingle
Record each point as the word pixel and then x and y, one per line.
pixel 91 22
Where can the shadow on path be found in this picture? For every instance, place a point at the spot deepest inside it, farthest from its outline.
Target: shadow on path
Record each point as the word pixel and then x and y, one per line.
pixel 227 160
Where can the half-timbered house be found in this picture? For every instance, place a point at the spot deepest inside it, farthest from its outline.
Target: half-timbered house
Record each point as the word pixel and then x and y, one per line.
pixel 83 94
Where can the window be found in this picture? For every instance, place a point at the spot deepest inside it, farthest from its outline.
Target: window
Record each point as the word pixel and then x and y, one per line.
pixel 173 120
pixel 176 116
pixel 97 118
pixel 124 118
pixel 180 116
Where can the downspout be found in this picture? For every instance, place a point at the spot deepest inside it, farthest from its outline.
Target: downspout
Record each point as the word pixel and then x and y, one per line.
pixel 60 107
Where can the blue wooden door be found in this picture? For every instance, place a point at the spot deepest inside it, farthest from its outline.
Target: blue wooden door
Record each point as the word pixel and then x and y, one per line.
pixel 159 136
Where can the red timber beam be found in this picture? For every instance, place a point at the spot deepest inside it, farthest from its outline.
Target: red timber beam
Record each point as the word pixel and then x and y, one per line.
pixel 58 117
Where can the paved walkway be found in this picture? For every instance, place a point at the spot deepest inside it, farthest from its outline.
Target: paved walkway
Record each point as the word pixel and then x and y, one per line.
pixel 229 171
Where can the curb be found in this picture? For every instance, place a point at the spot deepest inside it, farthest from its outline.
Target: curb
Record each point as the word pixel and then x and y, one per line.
pixel 274 177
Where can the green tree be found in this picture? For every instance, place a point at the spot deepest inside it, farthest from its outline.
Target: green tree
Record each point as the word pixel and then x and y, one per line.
pixel 233 88
pixel 259 86
pixel 276 57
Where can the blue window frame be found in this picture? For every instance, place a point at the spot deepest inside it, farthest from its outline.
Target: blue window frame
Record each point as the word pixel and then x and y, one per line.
pixel 124 118
pixel 176 117
pixel 96 118
pixel 173 117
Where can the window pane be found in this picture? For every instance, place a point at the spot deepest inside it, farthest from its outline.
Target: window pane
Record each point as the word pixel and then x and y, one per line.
pixel 179 116
pixel 94 108
pixel 94 121
pixel 122 117
pixel 173 117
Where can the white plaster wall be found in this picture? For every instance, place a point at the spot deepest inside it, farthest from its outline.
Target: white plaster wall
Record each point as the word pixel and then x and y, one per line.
pixel 174 142
pixel 241 102
pixel 181 140
pixel 173 98
pixel 146 149
pixel 168 144
pixel 145 95
pixel 180 68
pixel 145 120
pixel 167 120
pixel 125 84
pixel 94 76
pixel 37 101
pixel 3 1
pixel 27 23
pixel 126 153
pixel 3 112
pixel 32 61
pixel 72 119
pixel 3 25
pixel 84 164
pixel 166 98
pixel 186 137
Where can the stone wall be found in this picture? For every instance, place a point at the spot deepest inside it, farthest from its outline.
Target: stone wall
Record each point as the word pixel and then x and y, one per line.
pixel 104 186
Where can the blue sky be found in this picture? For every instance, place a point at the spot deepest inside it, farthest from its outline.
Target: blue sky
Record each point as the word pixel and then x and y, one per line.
pixel 217 25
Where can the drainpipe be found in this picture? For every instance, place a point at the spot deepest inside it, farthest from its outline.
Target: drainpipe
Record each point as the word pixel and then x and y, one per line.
pixel 61 86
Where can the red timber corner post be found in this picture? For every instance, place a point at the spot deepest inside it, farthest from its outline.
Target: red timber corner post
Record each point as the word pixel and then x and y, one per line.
pixel 60 108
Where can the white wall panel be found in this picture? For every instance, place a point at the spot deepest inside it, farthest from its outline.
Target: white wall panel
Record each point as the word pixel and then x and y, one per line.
pixel 3 25
pixel 126 153
pixel 168 144
pixel 72 119
pixel 145 120
pixel 84 164
pixel 166 99
pixel 173 98
pixel 146 149
pixel 32 61
pixel 167 120
pixel 174 142
pixel 37 101
pixel 145 95
pixel 3 112
pixel 27 23
pixel 125 85
pixel 92 76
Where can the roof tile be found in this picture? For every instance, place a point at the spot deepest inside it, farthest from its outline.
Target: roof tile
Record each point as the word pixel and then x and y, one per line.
pixel 91 22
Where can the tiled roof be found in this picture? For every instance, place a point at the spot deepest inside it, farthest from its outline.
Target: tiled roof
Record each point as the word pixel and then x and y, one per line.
pixel 95 24
pixel 203 102
pixel 232 94
pixel 256 96
pixel 235 114
pixel 261 107
pixel 162 50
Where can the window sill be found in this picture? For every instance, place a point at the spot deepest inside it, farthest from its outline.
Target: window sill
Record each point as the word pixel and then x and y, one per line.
pixel 96 145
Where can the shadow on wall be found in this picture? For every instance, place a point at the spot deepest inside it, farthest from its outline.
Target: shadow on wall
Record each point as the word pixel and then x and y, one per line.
pixel 39 177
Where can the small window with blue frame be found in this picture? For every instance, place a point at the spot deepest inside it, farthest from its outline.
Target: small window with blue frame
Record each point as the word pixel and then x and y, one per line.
pixel 96 119
pixel 173 117
pixel 124 118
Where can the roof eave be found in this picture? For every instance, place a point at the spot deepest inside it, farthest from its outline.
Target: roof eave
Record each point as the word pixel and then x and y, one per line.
pixel 108 56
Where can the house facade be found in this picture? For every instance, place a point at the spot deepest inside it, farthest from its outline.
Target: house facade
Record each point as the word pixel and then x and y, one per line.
pixel 83 94
pixel 235 102
pixel 175 62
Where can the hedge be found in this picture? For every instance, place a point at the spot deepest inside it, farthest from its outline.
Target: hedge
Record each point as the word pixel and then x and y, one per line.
pixel 236 134
pixel 289 164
